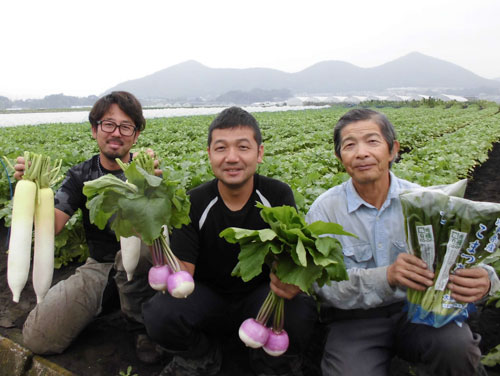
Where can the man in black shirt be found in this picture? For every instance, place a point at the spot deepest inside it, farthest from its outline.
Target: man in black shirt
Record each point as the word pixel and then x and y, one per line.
pixel 191 327
pixel 68 307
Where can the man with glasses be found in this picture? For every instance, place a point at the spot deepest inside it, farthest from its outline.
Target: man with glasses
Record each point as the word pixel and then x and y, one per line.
pixel 70 305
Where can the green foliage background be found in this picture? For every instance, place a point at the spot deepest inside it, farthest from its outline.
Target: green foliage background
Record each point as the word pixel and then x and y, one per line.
pixel 441 143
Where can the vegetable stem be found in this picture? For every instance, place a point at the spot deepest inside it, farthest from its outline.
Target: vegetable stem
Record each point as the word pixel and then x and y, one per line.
pixel 167 252
pixel 279 315
pixel 267 308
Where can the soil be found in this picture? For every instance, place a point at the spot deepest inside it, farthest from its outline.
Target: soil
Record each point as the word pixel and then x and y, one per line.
pixel 105 348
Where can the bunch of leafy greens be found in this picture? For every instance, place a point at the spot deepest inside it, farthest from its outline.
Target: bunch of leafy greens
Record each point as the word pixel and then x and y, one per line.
pixel 298 252
pixel 138 207
pixel 448 233
pixel 70 243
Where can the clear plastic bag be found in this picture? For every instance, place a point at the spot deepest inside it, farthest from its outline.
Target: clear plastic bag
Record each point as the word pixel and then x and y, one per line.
pixel 448 233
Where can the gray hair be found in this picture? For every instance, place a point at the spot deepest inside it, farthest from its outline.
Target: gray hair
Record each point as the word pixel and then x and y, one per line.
pixel 352 116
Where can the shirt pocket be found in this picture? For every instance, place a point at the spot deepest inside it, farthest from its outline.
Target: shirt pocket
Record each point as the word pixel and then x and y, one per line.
pixel 357 255
pixel 398 246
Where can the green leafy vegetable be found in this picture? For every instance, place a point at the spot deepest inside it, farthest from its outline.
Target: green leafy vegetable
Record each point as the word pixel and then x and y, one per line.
pixel 139 206
pixel 299 253
pixel 448 233
pixel 492 358
pixel 72 240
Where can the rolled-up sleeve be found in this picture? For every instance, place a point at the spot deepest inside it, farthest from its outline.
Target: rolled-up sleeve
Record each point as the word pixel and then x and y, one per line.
pixel 366 288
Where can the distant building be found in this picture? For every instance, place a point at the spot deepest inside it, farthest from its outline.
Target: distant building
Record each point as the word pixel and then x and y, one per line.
pixel 449 97
pixel 335 99
pixel 352 99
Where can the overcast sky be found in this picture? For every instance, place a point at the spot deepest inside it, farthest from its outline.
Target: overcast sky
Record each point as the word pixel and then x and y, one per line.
pixel 84 47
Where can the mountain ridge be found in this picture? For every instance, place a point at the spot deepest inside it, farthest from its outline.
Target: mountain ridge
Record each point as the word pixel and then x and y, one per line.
pixel 191 79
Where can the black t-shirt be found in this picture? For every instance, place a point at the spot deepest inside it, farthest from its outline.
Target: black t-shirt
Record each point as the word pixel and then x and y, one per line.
pixel 199 242
pixel 69 198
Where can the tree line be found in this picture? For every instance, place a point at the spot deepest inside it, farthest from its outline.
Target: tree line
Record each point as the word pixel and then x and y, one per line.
pixel 49 101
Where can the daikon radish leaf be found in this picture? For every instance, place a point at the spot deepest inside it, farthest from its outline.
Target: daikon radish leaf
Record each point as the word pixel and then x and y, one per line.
pixel 138 207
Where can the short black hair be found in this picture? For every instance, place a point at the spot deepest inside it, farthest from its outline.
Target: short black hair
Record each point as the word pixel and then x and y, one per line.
pixel 127 102
pixel 233 117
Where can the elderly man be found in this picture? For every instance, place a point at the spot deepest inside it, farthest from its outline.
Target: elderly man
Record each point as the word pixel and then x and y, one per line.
pixel 364 317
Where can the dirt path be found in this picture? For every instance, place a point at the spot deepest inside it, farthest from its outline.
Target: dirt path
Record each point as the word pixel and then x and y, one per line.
pixel 485 186
pixel 105 349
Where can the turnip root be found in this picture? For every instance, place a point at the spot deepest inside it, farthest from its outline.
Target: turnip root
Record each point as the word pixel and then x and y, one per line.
pixel 180 284
pixel 253 333
pixel 158 277
pixel 277 343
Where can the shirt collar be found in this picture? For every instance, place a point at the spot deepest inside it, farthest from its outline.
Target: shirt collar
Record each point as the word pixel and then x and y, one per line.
pixel 354 200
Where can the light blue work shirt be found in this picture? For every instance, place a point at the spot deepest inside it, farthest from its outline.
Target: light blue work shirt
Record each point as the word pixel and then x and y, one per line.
pixel 381 237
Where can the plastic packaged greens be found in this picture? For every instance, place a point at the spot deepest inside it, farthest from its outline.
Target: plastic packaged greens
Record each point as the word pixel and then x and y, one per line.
pixel 448 233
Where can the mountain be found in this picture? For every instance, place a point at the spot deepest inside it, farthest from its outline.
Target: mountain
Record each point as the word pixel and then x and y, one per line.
pixel 192 79
pixel 415 70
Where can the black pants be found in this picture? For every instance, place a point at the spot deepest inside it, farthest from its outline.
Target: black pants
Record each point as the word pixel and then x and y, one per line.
pixel 188 327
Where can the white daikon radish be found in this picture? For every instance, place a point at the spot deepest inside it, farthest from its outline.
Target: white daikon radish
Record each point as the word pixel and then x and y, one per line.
pixel 131 252
pixel 33 197
pixel 43 258
pixel 18 262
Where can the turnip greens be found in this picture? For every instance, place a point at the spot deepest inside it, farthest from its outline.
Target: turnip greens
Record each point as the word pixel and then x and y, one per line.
pixel 297 252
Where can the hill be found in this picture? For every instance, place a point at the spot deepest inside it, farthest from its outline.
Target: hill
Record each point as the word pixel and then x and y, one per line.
pixel 415 70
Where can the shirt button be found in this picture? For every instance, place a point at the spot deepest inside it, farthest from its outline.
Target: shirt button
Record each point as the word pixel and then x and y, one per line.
pixel 379 245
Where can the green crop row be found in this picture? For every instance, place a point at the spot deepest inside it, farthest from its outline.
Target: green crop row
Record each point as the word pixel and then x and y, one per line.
pixel 453 156
pixel 298 145
pixel 440 145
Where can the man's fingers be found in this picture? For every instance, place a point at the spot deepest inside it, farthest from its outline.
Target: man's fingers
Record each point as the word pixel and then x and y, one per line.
pixel 465 295
pixel 471 273
pixel 410 278
pixel 409 271
pixel 284 290
pixel 411 284
pixel 465 291
pixel 19 168
pixel 469 285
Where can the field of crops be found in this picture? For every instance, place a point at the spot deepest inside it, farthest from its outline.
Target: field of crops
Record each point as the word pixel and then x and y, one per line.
pixel 440 144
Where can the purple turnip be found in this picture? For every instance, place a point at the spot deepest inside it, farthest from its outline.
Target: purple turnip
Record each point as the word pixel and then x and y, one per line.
pixel 180 284
pixel 277 343
pixel 253 333
pixel 158 277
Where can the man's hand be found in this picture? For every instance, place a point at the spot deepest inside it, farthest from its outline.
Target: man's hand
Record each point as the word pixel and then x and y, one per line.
pixel 283 290
pixel 409 271
pixel 151 153
pixel 19 167
pixel 469 285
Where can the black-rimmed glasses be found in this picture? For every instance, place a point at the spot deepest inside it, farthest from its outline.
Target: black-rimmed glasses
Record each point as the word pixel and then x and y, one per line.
pixel 109 126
